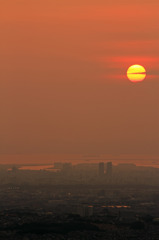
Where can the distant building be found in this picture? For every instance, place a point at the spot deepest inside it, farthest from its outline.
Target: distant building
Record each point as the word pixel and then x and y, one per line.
pixel 14 169
pixel 85 210
pixel 109 168
pixel 101 169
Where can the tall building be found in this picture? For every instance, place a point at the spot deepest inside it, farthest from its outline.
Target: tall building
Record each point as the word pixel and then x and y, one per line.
pixel 101 169
pixel 109 168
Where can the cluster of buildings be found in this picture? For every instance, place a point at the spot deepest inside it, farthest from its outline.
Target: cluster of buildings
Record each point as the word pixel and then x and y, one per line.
pixel 101 169
pixel 104 169
pixel 102 173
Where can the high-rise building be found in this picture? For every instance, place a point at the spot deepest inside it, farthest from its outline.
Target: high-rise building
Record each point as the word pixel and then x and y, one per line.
pixel 109 168
pixel 101 169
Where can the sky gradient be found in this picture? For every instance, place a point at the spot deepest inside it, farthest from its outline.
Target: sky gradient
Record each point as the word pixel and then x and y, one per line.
pixel 63 84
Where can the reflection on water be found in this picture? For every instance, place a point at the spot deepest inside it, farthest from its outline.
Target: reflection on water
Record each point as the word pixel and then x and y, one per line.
pixel 49 167
pixel 37 167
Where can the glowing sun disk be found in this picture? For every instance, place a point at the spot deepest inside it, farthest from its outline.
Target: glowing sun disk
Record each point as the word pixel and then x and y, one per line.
pixel 136 73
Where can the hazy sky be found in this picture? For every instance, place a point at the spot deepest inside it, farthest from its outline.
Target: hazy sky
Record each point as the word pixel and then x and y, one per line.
pixel 63 84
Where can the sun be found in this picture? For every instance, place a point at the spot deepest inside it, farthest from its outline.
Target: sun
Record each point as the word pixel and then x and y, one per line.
pixel 136 73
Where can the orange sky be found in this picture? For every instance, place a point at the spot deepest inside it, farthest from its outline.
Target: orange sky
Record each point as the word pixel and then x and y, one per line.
pixel 63 85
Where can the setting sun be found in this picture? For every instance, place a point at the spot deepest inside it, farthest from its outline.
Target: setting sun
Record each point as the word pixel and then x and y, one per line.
pixel 136 73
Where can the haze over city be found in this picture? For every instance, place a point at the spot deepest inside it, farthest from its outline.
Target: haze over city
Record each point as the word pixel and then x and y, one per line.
pixel 64 88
